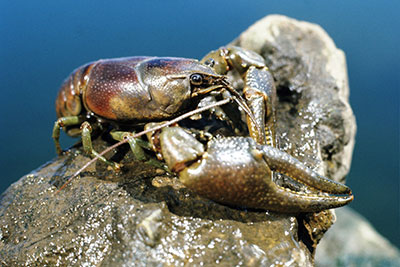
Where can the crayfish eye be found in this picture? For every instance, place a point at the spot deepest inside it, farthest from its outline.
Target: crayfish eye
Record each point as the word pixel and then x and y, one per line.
pixel 196 79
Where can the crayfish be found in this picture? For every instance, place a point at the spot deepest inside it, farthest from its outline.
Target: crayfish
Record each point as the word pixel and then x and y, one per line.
pixel 156 93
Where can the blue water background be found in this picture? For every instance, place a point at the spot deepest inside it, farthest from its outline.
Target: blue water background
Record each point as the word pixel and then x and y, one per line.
pixel 41 42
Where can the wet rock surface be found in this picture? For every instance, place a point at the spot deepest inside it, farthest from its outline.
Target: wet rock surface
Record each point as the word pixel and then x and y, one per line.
pixel 352 241
pixel 144 216
pixel 141 220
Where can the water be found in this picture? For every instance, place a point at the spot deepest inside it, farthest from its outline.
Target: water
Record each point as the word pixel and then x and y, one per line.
pixel 41 42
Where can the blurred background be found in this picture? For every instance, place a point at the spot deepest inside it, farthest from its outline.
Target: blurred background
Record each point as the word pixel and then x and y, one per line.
pixel 41 42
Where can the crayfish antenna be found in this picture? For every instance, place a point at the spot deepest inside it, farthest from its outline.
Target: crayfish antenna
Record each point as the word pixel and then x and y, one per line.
pixel 125 140
pixel 242 103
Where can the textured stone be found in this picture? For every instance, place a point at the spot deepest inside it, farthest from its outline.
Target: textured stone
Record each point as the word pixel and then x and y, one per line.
pixel 138 220
pixel 352 241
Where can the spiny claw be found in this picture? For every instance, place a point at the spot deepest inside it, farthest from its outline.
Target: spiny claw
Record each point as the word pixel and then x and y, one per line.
pixel 259 88
pixel 237 171
pixel 284 163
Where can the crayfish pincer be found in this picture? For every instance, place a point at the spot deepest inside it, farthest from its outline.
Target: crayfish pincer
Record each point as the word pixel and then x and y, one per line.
pixel 237 171
pixel 150 94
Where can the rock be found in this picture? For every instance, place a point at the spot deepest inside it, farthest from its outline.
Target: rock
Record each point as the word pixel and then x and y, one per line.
pixel 138 221
pixel 146 217
pixel 352 241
